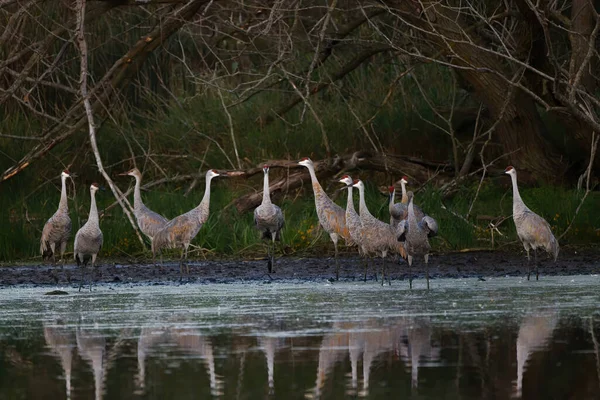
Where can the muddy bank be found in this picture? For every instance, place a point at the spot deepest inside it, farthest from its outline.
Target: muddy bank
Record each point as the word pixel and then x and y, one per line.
pixel 454 265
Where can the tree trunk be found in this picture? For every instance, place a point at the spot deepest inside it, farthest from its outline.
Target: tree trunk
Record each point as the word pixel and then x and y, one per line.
pixel 520 129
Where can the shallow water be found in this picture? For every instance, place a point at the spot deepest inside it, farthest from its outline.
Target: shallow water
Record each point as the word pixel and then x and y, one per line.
pixel 469 339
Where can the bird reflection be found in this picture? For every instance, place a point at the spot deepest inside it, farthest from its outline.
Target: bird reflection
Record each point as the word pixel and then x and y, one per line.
pixel 149 337
pixel 370 339
pixel 333 349
pixel 534 333
pixel 61 341
pixel 270 345
pixel 416 346
pixel 188 340
pixel 91 345
pixel 376 341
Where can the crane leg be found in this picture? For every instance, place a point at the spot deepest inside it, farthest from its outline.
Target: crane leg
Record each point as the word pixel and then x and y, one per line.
pixel 334 239
pixel 82 269
pixel 181 266
pixel 269 258
pixel 409 272
pixel 427 269
pixel 273 249
pixel 383 271
pixel 53 248
pixel 366 266
pixel 528 264
pixel 187 265
pixel 92 271
pixel 537 270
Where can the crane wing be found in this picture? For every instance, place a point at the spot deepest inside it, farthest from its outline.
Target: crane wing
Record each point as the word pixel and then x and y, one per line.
pixel 401 230
pixel 431 225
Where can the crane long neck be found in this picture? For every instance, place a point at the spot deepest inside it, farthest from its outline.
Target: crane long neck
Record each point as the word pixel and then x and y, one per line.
pixel 404 195
pixel 411 212
pixel 205 203
pixel 362 204
pixel 350 202
pixel 517 201
pixel 313 177
pixel 63 205
pixel 392 199
pixel 93 218
pixel 137 193
pixel 266 190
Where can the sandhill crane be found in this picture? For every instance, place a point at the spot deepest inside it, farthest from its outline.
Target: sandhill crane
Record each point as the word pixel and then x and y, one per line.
pixel 533 230
pixel 149 221
pixel 331 216
pixel 88 240
pixel 57 229
pixel 181 230
pixel 416 233
pixel 61 340
pixel 268 219
pixel 377 236
pixel 353 220
pixel 399 211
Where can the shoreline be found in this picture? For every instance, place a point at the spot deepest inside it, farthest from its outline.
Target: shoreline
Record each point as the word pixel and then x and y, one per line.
pixel 477 264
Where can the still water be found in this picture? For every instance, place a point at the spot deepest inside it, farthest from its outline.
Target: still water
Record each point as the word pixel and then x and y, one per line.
pixel 464 339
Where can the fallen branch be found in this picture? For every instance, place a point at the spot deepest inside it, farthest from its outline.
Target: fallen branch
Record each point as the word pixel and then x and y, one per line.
pixel 397 165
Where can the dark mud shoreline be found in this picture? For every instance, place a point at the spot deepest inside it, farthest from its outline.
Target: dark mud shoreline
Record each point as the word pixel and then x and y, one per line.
pixel 453 265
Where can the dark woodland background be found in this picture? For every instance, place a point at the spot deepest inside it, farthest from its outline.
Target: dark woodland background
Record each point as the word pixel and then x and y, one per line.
pixel 446 92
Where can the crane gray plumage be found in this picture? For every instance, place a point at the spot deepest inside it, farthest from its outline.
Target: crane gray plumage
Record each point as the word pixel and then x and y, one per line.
pixel 181 230
pixel 416 233
pixel 399 211
pixel 57 230
pixel 533 230
pixel 88 240
pixel 331 216
pixel 268 219
pixel 149 221
pixel 353 221
pixel 377 236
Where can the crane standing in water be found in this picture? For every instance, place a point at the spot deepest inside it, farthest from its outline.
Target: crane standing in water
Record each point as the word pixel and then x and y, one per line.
pixel 377 236
pixel 416 233
pixel 268 218
pixel 353 221
pixel 88 240
pixel 533 230
pixel 57 230
pixel 331 216
pixel 149 221
pixel 181 230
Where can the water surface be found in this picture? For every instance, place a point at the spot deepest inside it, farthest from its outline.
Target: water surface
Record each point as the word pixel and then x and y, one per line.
pixel 464 339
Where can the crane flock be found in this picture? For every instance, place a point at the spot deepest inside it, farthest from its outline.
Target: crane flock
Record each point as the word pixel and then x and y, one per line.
pixel 406 235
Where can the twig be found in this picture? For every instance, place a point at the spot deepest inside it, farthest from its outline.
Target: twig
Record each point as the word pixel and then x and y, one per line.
pixel 595 138
pixel 231 131
pixel 90 116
